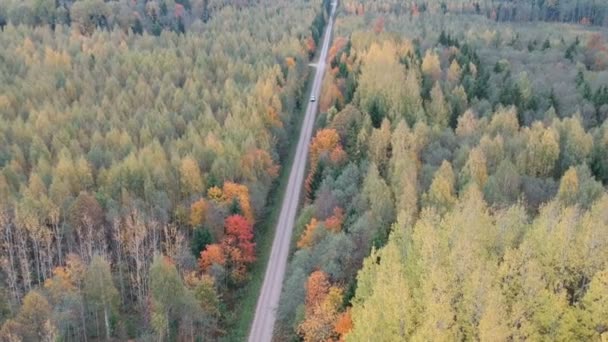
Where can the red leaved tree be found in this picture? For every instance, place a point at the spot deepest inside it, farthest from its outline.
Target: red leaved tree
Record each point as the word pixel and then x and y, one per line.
pixel 239 233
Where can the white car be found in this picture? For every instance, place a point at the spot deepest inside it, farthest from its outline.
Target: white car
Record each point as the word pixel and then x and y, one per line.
pixel 312 99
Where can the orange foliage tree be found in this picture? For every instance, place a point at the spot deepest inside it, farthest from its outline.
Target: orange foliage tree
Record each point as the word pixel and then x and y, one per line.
pixel 344 324
pixel 258 164
pixel 334 222
pixel 321 312
pixel 236 250
pixel 325 142
pixel 306 238
pixel 331 93
pixel 213 254
pixel 60 284
pixel 290 62
pixel 337 46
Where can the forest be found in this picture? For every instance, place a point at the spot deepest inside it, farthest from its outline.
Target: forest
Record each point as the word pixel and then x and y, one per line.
pixel 139 141
pixel 456 188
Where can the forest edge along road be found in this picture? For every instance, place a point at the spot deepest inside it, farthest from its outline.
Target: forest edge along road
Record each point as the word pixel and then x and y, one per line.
pixel 268 300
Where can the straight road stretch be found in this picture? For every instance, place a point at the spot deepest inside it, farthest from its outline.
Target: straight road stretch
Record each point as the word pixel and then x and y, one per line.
pixel 268 301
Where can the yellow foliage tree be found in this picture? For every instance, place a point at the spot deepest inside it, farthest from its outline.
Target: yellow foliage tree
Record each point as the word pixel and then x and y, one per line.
pixel 454 72
pixel 190 176
pixel 569 187
pixel 431 67
pixel 441 193
pixel 232 191
pixel 215 194
pixel 198 210
pixel 475 169
pixel 542 150
pixel 383 309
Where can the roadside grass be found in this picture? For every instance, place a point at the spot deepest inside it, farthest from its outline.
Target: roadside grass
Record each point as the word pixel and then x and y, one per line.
pixel 265 232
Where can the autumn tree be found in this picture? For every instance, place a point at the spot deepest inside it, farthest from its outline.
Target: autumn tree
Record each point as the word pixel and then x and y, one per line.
pixel 431 67
pixel 65 295
pixel 575 144
pixel 454 72
pixel 335 221
pixel 475 170
pixel 467 125
pixel 331 94
pixel 198 210
pixel 437 109
pixel 239 233
pixel 437 289
pixel 504 122
pixel 403 173
pixel 34 322
pixel 308 234
pixel 379 92
pixel 344 324
pixel 204 291
pixel 324 147
pixel 322 303
pixel 236 250
pixel 213 254
pixel 542 151
pixel 441 194
pixel 326 141
pixel 190 177
pixel 232 192
pixel 89 14
pixel 594 303
pixel 383 307
pixel 569 187
pixel 413 108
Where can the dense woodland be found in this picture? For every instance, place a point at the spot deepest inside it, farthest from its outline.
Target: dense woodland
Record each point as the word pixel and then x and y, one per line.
pixel 136 161
pixel 586 12
pixel 457 179
pixel 456 186
pixel 128 15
